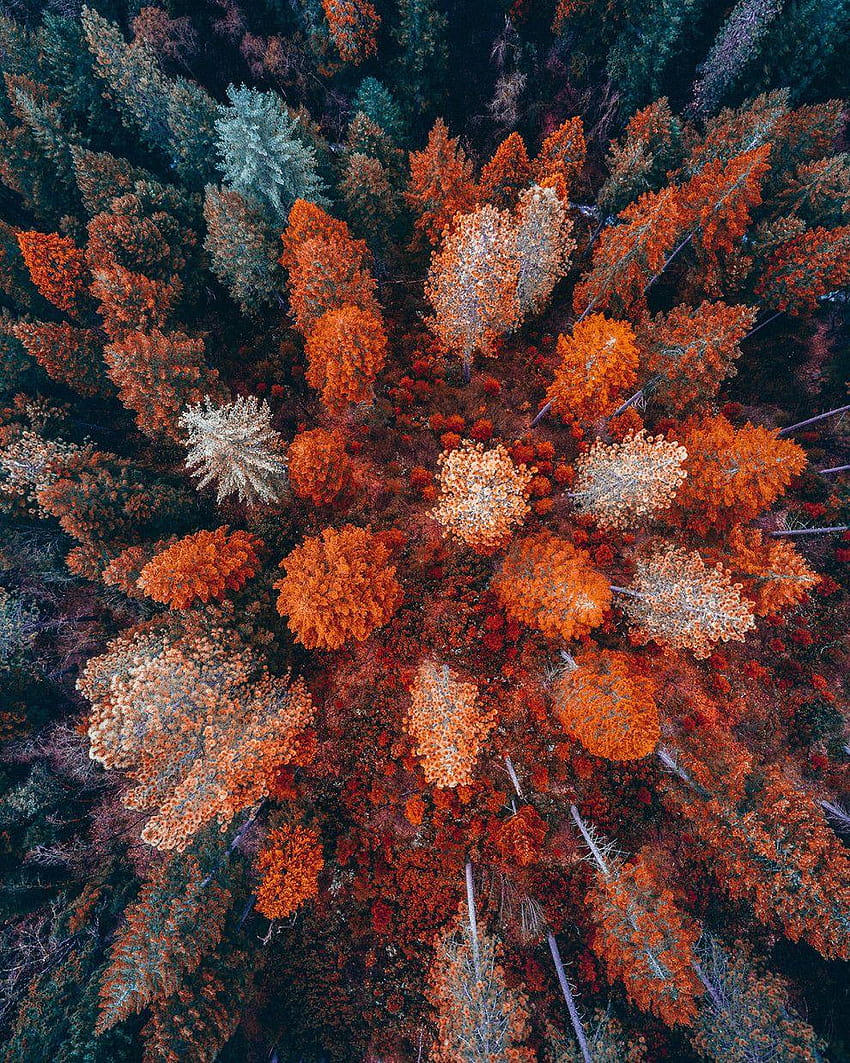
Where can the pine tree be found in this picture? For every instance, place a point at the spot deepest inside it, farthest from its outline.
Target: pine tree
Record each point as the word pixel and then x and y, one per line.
pixel 157 375
pixel 200 568
pixel 242 253
pixel 262 157
pixel 235 447
pixel 173 923
pixel 608 704
pixel 549 585
pixel 679 601
pixel 337 586
pixel 441 183
pixel 623 483
pixel 483 495
pixel 196 721
pixel 447 724
pixel 472 283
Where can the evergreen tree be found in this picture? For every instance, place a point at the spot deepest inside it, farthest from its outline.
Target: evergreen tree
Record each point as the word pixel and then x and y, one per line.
pixel 261 157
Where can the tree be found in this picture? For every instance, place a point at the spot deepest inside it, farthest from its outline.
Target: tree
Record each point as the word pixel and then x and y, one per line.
pixel 773 575
pixel 261 156
pixel 472 283
pixel 201 567
pixel 57 268
pixel 745 1014
pixel 235 447
pixel 608 704
pixel 506 174
pixel 734 474
pixel 638 163
pixel 327 269
pixel 689 352
pixel 196 721
pixel 346 349
pixel 546 583
pixel 479 1019
pixel 643 938
pixel 290 863
pixel 166 933
pixel 131 302
pixel 543 246
pixel 157 375
pixel 737 42
pixel 623 483
pixel 337 586
pixel 677 600
pixel 375 100
pixel 598 363
pixel 99 497
pixel 561 158
pixel 353 25
pixel 420 32
pixel 441 184
pixel 482 495
pixel 803 269
pixel 370 201
pixel 447 723
pixel 769 844
pixel 73 356
pixel 319 467
pixel 241 251
pixel 629 255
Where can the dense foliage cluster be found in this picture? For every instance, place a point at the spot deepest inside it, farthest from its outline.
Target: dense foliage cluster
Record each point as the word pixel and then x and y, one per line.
pixel 424 561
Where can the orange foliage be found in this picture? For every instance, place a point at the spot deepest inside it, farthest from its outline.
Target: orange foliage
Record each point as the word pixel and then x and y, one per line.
pixel 447 724
pixel 608 705
pixel 327 268
pixel 290 862
pixel 346 349
pixel 482 495
pixel 629 255
pixel 719 199
pixel 598 364
pixel 733 473
pixel 201 568
pixel 131 302
pixel 57 267
pixel 197 722
pixel 319 467
pixel 441 183
pixel 561 158
pixel 157 375
pixel 770 845
pixel 546 583
pixel 689 352
pixel 520 837
pixel 338 586
pixel 70 355
pixel 506 174
pixel 645 941
pixel 806 267
pixel 774 576
pixel 353 25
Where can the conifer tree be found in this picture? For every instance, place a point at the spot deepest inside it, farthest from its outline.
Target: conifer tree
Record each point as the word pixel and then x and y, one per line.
pixel 261 155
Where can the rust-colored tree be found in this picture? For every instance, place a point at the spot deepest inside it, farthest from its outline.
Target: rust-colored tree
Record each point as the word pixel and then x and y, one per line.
pixel 607 702
pixel 337 586
pixel 548 584
pixel 289 863
pixel 201 568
